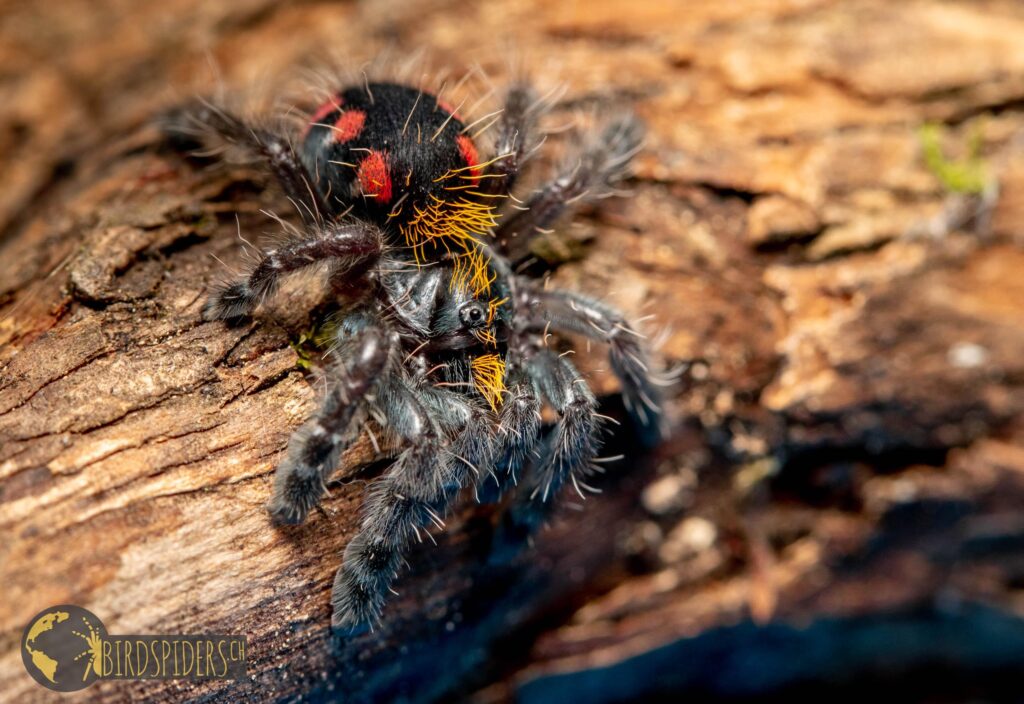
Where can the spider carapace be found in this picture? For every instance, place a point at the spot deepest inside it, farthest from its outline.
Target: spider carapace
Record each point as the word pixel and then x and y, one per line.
pixel 440 342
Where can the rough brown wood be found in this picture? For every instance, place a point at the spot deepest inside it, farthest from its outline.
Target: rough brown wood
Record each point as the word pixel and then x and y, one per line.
pixel 840 498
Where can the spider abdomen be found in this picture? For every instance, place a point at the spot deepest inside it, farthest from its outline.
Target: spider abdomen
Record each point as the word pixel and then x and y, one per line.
pixel 386 150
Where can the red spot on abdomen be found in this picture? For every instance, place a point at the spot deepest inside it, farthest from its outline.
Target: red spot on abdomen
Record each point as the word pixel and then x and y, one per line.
pixel 321 113
pixel 469 154
pixel 375 178
pixel 448 108
pixel 348 125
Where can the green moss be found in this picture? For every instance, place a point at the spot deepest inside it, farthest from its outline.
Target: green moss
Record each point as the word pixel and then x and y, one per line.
pixel 312 343
pixel 967 175
pixel 304 349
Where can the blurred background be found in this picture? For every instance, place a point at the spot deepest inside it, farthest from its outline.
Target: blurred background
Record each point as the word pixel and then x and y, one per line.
pixel 827 222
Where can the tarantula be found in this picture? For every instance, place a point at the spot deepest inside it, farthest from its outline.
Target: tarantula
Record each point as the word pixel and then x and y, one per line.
pixel 440 340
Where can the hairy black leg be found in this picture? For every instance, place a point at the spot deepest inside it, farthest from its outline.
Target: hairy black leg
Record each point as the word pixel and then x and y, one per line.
pixel 566 451
pixel 348 245
pixel 572 443
pixel 273 148
pixel 589 174
pixel 564 311
pixel 445 442
pixel 397 506
pixel 314 449
pixel 518 434
pixel 514 140
pixel 470 446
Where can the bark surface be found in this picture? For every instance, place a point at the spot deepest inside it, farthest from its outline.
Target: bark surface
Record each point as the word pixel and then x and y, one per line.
pixel 827 221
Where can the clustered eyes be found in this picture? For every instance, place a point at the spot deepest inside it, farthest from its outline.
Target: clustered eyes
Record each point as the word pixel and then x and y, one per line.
pixel 472 314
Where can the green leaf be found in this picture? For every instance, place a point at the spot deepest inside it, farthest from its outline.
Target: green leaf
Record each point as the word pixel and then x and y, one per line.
pixel 968 175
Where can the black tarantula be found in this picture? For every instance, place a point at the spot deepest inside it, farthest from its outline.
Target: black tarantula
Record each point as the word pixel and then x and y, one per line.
pixel 441 340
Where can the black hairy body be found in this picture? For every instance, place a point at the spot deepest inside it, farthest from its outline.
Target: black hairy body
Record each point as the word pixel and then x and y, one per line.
pixel 440 341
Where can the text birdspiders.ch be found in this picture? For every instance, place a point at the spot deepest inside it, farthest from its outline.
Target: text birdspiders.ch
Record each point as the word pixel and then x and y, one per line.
pixel 439 339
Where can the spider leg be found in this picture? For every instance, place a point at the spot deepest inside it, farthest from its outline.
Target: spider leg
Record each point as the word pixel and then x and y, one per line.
pixel 446 442
pixel 273 148
pixel 564 311
pixel 514 140
pixel 470 445
pixel 590 174
pixel 567 451
pixel 572 444
pixel 518 435
pixel 350 245
pixel 314 449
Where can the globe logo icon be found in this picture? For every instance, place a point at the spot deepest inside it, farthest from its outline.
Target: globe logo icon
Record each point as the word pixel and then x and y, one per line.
pixel 62 648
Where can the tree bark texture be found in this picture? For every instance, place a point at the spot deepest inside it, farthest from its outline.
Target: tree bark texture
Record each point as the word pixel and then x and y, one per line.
pixel 838 504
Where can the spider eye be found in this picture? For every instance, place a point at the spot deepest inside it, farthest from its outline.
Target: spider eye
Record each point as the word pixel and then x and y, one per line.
pixel 472 314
